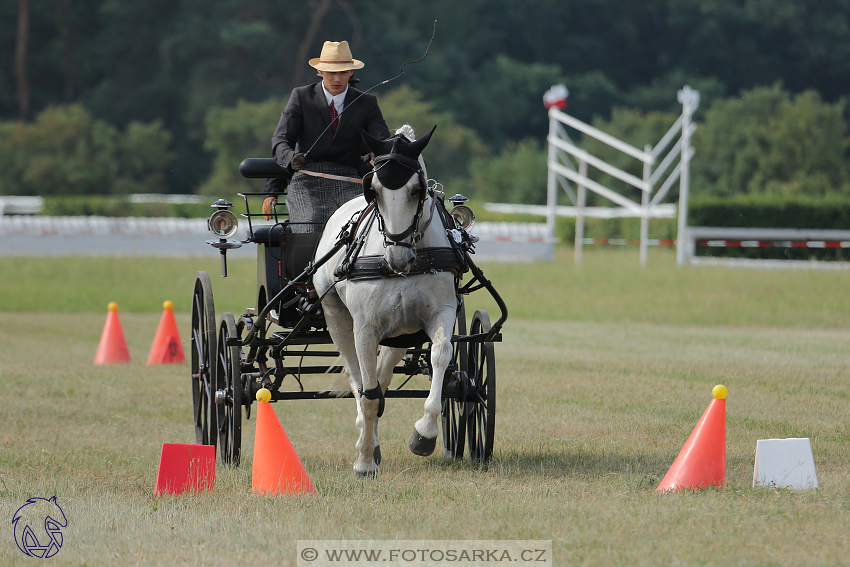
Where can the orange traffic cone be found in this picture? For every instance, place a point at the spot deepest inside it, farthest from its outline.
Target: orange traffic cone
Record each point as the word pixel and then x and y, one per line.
pixel 166 348
pixel 277 468
pixel 184 467
pixel 112 348
pixel 702 461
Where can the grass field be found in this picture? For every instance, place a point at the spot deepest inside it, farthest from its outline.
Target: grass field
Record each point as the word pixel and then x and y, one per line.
pixel 602 375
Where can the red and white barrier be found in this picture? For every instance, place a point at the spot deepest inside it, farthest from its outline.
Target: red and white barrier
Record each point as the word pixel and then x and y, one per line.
pixel 727 243
pixel 512 232
pixel 774 243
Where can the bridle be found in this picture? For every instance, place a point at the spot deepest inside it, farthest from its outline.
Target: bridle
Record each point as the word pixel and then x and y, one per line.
pixel 399 239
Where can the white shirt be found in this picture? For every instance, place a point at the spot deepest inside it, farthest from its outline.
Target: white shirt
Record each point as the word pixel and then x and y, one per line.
pixel 338 99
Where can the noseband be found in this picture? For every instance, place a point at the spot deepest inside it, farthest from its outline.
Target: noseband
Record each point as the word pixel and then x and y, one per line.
pixel 397 239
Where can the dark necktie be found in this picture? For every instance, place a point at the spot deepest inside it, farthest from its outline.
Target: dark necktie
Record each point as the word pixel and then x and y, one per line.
pixel 334 114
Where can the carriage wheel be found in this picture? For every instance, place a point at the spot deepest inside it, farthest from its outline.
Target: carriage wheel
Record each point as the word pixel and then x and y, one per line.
pixel 202 350
pixel 481 420
pixel 228 373
pixel 240 330
pixel 454 409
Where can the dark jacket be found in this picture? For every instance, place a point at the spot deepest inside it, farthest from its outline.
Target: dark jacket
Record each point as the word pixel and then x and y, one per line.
pixel 305 118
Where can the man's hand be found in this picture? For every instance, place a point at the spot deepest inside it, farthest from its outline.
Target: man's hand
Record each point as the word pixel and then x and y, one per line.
pixel 299 162
pixel 370 159
pixel 268 204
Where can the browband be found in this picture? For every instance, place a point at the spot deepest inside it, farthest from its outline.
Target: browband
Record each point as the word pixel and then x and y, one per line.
pixel 404 160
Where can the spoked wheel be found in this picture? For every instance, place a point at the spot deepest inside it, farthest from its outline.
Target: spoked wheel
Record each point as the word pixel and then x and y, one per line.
pixel 454 408
pixel 203 350
pixel 240 331
pixel 228 374
pixel 481 420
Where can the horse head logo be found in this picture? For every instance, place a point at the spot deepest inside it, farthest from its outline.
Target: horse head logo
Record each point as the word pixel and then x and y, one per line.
pixel 38 527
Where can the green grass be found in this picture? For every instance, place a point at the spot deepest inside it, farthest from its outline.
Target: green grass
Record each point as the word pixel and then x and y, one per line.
pixel 608 286
pixel 602 375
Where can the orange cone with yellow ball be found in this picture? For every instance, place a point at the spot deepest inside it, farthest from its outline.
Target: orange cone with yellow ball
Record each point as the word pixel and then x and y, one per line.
pixel 276 468
pixel 112 348
pixel 166 348
pixel 702 461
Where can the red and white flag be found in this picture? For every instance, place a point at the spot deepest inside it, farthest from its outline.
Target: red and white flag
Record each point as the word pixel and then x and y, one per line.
pixel 556 96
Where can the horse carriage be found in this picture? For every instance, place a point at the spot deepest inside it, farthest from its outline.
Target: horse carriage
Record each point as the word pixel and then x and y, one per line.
pixel 363 285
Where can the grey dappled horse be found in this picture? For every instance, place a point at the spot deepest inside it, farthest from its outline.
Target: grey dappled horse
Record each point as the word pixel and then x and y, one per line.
pixel 360 313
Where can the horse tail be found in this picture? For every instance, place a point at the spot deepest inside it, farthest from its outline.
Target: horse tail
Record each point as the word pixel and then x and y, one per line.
pixel 341 385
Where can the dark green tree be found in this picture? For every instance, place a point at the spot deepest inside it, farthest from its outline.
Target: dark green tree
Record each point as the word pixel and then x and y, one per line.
pixel 770 141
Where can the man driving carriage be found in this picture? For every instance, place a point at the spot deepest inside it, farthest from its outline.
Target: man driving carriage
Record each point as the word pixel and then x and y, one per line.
pixel 318 140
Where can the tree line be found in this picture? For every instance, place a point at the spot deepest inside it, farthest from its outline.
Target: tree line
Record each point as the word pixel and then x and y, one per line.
pixel 110 97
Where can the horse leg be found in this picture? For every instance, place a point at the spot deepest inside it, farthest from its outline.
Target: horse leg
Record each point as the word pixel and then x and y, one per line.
pixel 423 440
pixel 341 328
pixel 386 363
pixel 369 399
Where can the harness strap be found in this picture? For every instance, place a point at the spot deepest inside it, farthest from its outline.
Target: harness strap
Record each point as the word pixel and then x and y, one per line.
pixel 375 393
pixel 396 239
pixel 353 246
pixel 428 260
pixel 329 176
pixel 404 160
pixel 430 216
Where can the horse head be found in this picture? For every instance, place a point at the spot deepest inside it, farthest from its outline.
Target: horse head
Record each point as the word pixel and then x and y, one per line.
pixel 397 186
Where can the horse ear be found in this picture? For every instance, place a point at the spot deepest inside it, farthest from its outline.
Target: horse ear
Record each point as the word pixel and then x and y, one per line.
pixel 417 146
pixel 375 145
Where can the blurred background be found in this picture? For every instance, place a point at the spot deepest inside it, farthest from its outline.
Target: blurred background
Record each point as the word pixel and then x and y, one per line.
pixel 102 97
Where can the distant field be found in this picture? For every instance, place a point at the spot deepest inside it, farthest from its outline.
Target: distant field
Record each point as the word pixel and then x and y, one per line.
pixel 609 286
pixel 602 375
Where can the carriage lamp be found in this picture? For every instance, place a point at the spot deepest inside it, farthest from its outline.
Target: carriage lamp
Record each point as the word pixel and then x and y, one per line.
pixel 223 224
pixel 463 214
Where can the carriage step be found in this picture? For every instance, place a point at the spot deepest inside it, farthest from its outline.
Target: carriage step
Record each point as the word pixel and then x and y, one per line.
pixel 497 338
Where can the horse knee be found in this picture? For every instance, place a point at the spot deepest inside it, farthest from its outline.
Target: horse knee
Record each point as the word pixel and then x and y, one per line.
pixel 441 349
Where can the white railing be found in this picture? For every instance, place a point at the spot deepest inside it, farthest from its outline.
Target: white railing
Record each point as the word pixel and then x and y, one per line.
pixel 99 226
pixel 13 205
pixel 569 163
pixel 661 211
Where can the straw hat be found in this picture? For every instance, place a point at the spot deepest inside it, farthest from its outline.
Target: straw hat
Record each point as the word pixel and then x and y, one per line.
pixel 336 56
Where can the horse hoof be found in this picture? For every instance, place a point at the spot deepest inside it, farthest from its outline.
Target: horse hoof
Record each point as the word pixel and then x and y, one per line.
pixel 421 446
pixel 376 454
pixel 366 474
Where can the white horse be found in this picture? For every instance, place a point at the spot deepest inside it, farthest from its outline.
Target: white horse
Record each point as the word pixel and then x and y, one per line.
pixel 363 312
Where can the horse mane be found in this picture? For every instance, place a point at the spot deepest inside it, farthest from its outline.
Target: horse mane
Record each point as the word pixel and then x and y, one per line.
pixel 407 132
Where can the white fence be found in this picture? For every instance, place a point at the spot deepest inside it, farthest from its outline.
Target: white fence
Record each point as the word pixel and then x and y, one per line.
pixel 36 235
pixel 569 163
pixel 662 211
pixel 99 226
pixel 21 205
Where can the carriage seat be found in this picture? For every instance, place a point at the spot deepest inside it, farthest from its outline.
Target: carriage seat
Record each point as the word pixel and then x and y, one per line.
pixel 268 234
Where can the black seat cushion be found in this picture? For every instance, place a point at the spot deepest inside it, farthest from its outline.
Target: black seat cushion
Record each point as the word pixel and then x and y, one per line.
pixel 268 233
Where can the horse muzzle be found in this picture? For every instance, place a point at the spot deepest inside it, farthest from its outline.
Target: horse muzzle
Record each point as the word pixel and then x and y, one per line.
pixel 399 258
